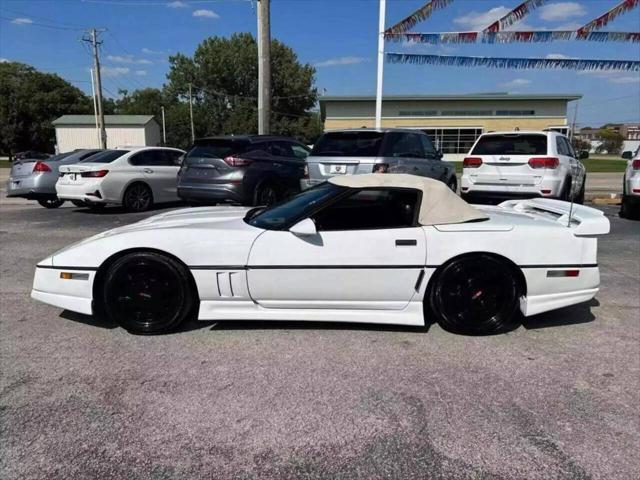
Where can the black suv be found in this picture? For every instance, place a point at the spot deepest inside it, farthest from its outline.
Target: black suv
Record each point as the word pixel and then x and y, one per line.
pixel 249 169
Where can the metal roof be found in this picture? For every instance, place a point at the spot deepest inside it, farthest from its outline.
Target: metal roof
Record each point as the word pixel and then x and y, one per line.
pixel 466 96
pixel 109 120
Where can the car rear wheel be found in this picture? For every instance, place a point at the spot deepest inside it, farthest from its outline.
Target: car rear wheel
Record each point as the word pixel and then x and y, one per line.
pixel 137 198
pixel 147 293
pixel 476 295
pixel 266 195
pixel 51 202
pixel 453 184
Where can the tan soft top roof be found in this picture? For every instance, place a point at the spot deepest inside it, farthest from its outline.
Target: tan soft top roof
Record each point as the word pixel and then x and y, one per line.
pixel 439 204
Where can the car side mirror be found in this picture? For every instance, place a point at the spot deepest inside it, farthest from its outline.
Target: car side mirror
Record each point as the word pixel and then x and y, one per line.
pixel 304 228
pixel 628 155
pixel 583 154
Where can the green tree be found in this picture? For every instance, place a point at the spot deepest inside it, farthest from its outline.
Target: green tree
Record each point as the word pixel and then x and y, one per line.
pixel 223 73
pixel 612 142
pixel 580 144
pixel 29 102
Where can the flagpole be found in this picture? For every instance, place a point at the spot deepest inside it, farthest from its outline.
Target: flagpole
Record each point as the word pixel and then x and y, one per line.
pixel 380 63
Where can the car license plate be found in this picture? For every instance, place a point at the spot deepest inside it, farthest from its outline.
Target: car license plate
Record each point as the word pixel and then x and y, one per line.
pixel 337 169
pixel 15 185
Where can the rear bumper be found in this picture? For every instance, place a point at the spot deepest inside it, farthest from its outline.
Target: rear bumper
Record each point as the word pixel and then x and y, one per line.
pixel 75 294
pixel 32 187
pixel 87 192
pixel 551 186
pixel 218 193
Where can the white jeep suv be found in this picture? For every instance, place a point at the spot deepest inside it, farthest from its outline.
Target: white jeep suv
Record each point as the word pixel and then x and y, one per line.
pixel 523 164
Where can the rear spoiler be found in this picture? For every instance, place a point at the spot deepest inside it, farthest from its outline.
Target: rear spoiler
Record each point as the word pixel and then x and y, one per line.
pixel 584 220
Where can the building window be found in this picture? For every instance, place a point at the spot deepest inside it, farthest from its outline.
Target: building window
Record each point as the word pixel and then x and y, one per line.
pixel 453 140
pixel 466 113
pixel 418 113
pixel 515 113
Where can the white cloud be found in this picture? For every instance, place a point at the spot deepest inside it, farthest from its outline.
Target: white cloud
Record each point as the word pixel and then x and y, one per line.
pixel 555 12
pixel 177 4
pixel 516 83
pixel 148 51
pixel 203 13
pixel 140 73
pixel 556 56
pixel 476 21
pixel 4 60
pixel 128 59
pixel 21 21
pixel 333 62
pixel 114 71
pixel 573 26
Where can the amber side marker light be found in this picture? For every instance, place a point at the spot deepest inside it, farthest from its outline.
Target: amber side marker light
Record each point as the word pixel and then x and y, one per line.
pixel 563 273
pixel 74 276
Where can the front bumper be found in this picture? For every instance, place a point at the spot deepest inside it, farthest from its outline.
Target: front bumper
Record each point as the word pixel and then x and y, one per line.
pixel 75 294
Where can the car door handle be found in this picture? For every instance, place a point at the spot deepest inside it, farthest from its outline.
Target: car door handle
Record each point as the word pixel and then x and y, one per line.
pixel 147 170
pixel 406 243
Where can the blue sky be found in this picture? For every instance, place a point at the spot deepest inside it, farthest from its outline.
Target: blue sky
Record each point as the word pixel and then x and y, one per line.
pixel 338 36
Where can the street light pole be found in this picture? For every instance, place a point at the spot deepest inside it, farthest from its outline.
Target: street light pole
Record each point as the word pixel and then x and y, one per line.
pixel 380 63
pixel 264 67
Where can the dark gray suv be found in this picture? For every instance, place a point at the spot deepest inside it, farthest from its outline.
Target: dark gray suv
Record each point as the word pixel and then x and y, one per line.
pixel 248 169
pixel 387 150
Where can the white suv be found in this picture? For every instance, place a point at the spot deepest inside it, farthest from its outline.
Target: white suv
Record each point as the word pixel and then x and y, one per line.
pixel 523 164
pixel 631 186
pixel 134 177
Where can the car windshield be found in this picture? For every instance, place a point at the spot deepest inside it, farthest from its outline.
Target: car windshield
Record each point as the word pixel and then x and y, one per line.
pixel 511 144
pixel 106 156
pixel 216 148
pixel 296 208
pixel 348 144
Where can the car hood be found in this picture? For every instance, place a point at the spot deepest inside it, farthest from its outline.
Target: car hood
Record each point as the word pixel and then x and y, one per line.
pixel 216 236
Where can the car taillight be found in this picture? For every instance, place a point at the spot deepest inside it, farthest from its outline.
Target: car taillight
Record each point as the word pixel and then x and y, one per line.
pixel 236 162
pixel 41 167
pixel 381 168
pixel 472 162
pixel 96 174
pixel 635 164
pixel 544 162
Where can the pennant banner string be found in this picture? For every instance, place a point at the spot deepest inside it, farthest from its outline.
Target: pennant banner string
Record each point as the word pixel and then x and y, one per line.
pixel 607 17
pixel 419 15
pixel 513 63
pixel 512 36
pixel 514 15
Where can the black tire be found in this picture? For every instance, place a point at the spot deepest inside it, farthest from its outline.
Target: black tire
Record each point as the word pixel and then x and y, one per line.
pixel 629 210
pixel 477 294
pixel 50 202
pixel 146 293
pixel 79 203
pixel 580 198
pixel 137 198
pixel 266 194
pixel 453 184
pixel 566 190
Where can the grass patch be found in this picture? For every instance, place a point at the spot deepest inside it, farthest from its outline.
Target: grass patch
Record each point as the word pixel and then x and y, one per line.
pixel 5 164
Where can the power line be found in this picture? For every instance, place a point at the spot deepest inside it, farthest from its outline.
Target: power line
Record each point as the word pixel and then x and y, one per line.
pixel 47 20
pixel 37 24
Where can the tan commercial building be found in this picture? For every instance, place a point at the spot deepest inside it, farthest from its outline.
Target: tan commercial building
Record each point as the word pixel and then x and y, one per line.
pixel 453 122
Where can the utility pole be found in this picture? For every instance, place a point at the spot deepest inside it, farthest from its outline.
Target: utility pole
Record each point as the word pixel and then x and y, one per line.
pixel 95 106
pixel 381 22
pixel 264 67
pixel 164 130
pixel 193 132
pixel 96 66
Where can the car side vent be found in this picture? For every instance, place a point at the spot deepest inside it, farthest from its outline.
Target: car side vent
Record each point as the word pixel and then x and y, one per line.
pixel 230 284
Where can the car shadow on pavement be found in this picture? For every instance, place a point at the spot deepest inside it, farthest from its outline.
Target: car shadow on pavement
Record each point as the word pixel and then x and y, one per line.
pixel 573 315
pixel 303 325
pixel 119 209
pixel 87 320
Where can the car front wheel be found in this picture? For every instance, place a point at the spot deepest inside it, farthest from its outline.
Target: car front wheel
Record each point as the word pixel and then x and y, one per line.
pixel 476 295
pixel 146 293
pixel 51 202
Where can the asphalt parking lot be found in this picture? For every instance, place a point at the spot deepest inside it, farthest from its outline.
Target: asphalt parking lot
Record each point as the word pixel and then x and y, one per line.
pixel 556 398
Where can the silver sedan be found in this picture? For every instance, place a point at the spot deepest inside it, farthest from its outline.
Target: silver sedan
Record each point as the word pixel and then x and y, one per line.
pixel 35 179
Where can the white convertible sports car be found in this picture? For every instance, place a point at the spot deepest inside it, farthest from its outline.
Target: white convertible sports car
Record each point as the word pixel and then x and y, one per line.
pixel 376 248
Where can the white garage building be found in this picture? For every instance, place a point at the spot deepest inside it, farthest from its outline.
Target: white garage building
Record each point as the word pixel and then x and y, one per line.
pixel 79 131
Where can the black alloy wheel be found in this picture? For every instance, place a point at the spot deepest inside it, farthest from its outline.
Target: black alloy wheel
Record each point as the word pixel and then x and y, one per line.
pixel 453 184
pixel 137 198
pixel 51 202
pixel 266 195
pixel 476 295
pixel 147 293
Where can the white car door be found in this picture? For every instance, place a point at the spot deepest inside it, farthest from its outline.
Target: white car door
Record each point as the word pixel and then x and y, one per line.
pixel 161 173
pixel 368 253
